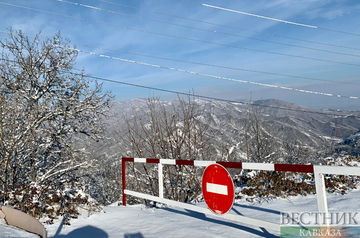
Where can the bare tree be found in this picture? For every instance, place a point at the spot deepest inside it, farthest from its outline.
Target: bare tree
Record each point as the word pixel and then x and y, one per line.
pixel 44 106
pixel 168 132
pixel 259 143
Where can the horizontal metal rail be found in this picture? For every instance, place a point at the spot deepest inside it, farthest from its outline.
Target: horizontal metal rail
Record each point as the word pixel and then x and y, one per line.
pixel 236 165
pixel 232 217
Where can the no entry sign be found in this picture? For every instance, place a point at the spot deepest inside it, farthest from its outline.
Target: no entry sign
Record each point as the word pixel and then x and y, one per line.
pixel 218 189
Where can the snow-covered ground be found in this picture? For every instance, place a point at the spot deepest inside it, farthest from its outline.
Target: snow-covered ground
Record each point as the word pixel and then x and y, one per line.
pixel 11 232
pixel 138 221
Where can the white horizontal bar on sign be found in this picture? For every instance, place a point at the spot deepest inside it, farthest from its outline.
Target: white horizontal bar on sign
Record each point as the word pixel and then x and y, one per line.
pixel 258 166
pixel 216 188
pixel 140 160
pixel 203 163
pixel 167 161
pixel 338 170
pixel 232 217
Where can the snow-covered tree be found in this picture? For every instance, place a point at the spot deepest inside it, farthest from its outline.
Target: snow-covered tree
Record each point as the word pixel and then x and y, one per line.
pixel 44 106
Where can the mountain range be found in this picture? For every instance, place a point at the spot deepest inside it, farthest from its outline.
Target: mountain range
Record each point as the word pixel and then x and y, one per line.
pixel 288 126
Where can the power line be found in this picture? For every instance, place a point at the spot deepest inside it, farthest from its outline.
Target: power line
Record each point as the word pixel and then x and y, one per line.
pixel 215 76
pixel 230 79
pixel 338 31
pixel 279 20
pixel 231 68
pixel 218 77
pixel 233 28
pixel 200 96
pixel 187 38
pixel 212 98
pixel 259 16
pixel 204 30
pixel 240 47
pixel 37 10
pixel 236 80
pixel 227 67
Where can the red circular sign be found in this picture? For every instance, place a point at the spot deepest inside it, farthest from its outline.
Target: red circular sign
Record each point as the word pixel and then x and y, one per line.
pixel 218 189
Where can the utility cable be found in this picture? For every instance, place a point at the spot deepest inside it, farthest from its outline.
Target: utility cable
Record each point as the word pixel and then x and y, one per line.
pixel 216 76
pixel 232 28
pixel 201 96
pixel 205 30
pixel 228 67
pixel 187 38
pixel 279 20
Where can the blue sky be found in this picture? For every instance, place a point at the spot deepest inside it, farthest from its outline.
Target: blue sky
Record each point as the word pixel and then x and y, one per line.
pixel 157 28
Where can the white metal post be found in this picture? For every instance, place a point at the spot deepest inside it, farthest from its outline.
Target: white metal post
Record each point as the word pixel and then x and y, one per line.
pixel 161 181
pixel 321 193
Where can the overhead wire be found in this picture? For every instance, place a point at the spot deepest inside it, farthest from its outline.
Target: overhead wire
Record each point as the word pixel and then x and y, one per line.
pixel 278 20
pixel 82 74
pixel 231 27
pixel 260 16
pixel 243 48
pixel 217 77
pixel 187 38
pixel 231 68
pixel 225 67
pixel 205 30
pixel 216 98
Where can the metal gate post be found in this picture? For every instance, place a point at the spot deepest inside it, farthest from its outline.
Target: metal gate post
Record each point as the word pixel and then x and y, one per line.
pixel 321 194
pixel 161 180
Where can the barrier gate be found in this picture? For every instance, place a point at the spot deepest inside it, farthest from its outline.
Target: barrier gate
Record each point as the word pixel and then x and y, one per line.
pixel 317 170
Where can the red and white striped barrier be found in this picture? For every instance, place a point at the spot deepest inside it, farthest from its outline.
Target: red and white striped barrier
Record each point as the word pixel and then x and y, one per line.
pixel 236 165
pixel 317 170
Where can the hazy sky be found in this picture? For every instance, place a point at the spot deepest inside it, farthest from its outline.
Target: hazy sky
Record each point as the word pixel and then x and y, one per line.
pixel 323 59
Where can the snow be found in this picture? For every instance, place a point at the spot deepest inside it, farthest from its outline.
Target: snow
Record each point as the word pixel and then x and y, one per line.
pixel 12 232
pixel 231 149
pixel 139 221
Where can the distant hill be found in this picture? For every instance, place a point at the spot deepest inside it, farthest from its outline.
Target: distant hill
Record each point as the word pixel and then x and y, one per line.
pixel 313 130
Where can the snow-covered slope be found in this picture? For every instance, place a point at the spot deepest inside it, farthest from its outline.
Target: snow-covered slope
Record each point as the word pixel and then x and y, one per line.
pixel 139 221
